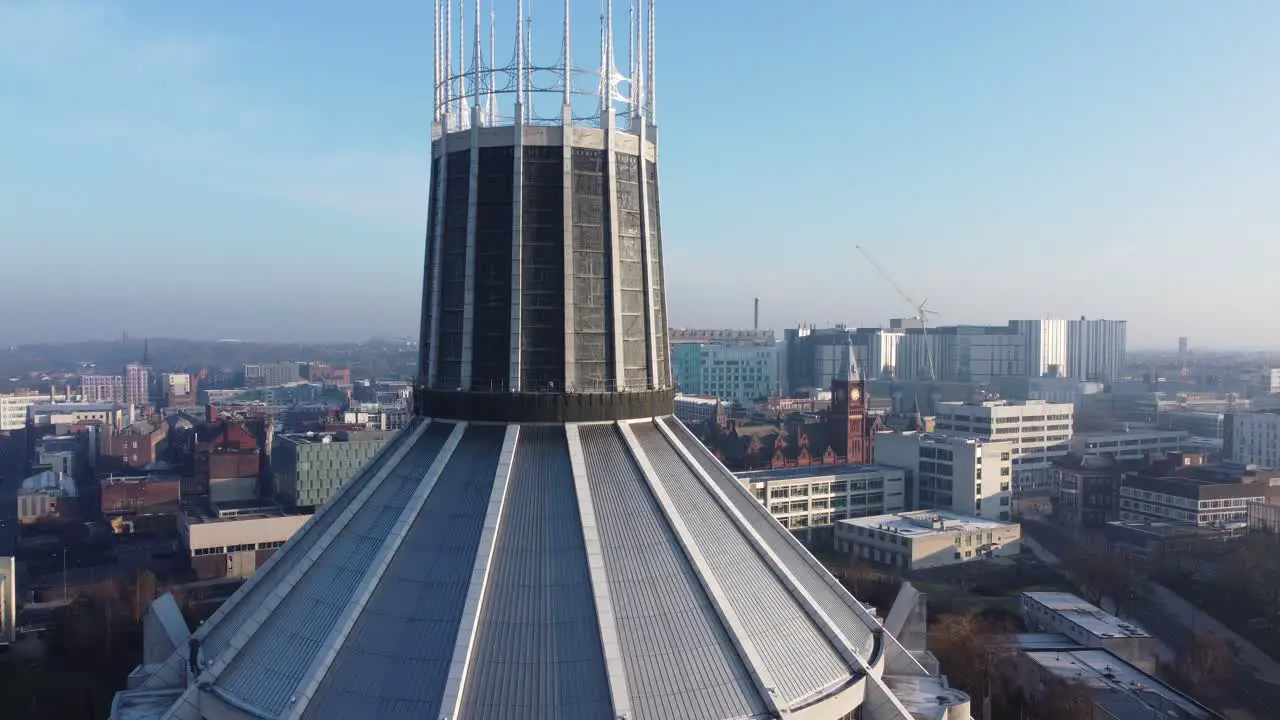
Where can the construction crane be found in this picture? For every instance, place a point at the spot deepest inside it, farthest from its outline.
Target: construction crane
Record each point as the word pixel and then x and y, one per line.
pixel 922 312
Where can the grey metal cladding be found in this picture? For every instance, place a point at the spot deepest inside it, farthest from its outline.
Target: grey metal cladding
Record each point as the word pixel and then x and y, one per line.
pixel 537 651
pixel 270 666
pixel 266 579
pixel 680 662
pixel 798 655
pixel 834 600
pixel 395 660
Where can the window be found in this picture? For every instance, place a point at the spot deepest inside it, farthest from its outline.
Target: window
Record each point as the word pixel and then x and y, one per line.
pixel 1004 457
pixel 1004 502
pixel 1004 471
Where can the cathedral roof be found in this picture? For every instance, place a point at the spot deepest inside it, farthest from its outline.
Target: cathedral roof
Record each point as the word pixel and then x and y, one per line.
pixel 598 570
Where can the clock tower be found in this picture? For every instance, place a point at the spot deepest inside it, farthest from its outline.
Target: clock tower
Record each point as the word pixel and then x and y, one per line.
pixel 848 415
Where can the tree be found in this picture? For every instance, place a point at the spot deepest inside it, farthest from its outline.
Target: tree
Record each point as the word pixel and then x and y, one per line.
pixel 973 658
pixel 1207 664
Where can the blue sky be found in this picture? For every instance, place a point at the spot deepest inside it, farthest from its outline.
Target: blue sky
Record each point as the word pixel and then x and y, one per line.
pixel 257 170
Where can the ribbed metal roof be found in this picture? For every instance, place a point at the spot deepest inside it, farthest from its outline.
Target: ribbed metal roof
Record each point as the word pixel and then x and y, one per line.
pixel 606 570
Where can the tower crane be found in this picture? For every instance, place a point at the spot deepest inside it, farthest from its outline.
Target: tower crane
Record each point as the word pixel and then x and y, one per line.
pixel 922 312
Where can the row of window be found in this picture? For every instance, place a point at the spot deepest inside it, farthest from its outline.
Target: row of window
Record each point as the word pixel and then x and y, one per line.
pixel 244 547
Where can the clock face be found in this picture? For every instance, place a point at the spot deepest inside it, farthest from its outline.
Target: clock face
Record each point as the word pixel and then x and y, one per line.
pixel 855 394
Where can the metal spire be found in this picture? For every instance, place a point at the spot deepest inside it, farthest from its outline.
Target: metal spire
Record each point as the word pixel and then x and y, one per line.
pixel 447 91
pixel 435 58
pixel 653 87
pixel 477 54
pixel 528 80
pixel 491 108
pixel 462 66
pixel 568 59
pixel 520 62
pixel 631 55
pixel 641 102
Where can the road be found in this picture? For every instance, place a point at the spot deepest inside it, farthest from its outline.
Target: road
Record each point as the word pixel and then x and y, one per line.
pixel 1175 626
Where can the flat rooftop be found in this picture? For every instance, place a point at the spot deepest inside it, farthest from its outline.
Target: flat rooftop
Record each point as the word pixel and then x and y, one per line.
pixel 1090 617
pixel 1118 687
pixel 814 471
pixel 926 698
pixel 923 523
pixel 232 511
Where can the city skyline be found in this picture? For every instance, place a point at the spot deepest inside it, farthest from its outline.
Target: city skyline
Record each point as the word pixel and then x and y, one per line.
pixel 283 167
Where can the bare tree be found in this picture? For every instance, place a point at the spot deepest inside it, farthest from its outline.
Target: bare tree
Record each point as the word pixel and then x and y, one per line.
pixel 1207 664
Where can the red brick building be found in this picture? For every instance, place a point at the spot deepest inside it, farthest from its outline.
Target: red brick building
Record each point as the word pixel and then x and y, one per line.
pixel 132 448
pixel 140 495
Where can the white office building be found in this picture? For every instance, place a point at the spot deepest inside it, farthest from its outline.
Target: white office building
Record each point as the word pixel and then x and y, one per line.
pixel 13 409
pixel 1252 438
pixel 1128 444
pixel 733 373
pixel 808 500
pixel 1038 432
pixel 964 475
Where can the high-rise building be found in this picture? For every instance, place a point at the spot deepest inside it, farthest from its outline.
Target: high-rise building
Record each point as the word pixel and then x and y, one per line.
pixel 1046 346
pixel 137 384
pixel 102 388
pixel 1097 349
pixel 545 540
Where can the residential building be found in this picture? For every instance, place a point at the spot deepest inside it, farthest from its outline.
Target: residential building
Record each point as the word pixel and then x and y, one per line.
pixel 960 474
pixel 1039 432
pixel 132 448
pixel 102 388
pixel 13 409
pixel 740 374
pixel 307 469
pixel 1088 625
pixel 1097 349
pixel 809 500
pixel 1253 438
pixel 233 539
pixel 1188 499
pixel 1127 444
pixel 137 384
pixel 1120 690
pixel 927 538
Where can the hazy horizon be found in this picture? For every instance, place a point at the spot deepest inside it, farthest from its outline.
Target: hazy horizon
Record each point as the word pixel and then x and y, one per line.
pixel 171 169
